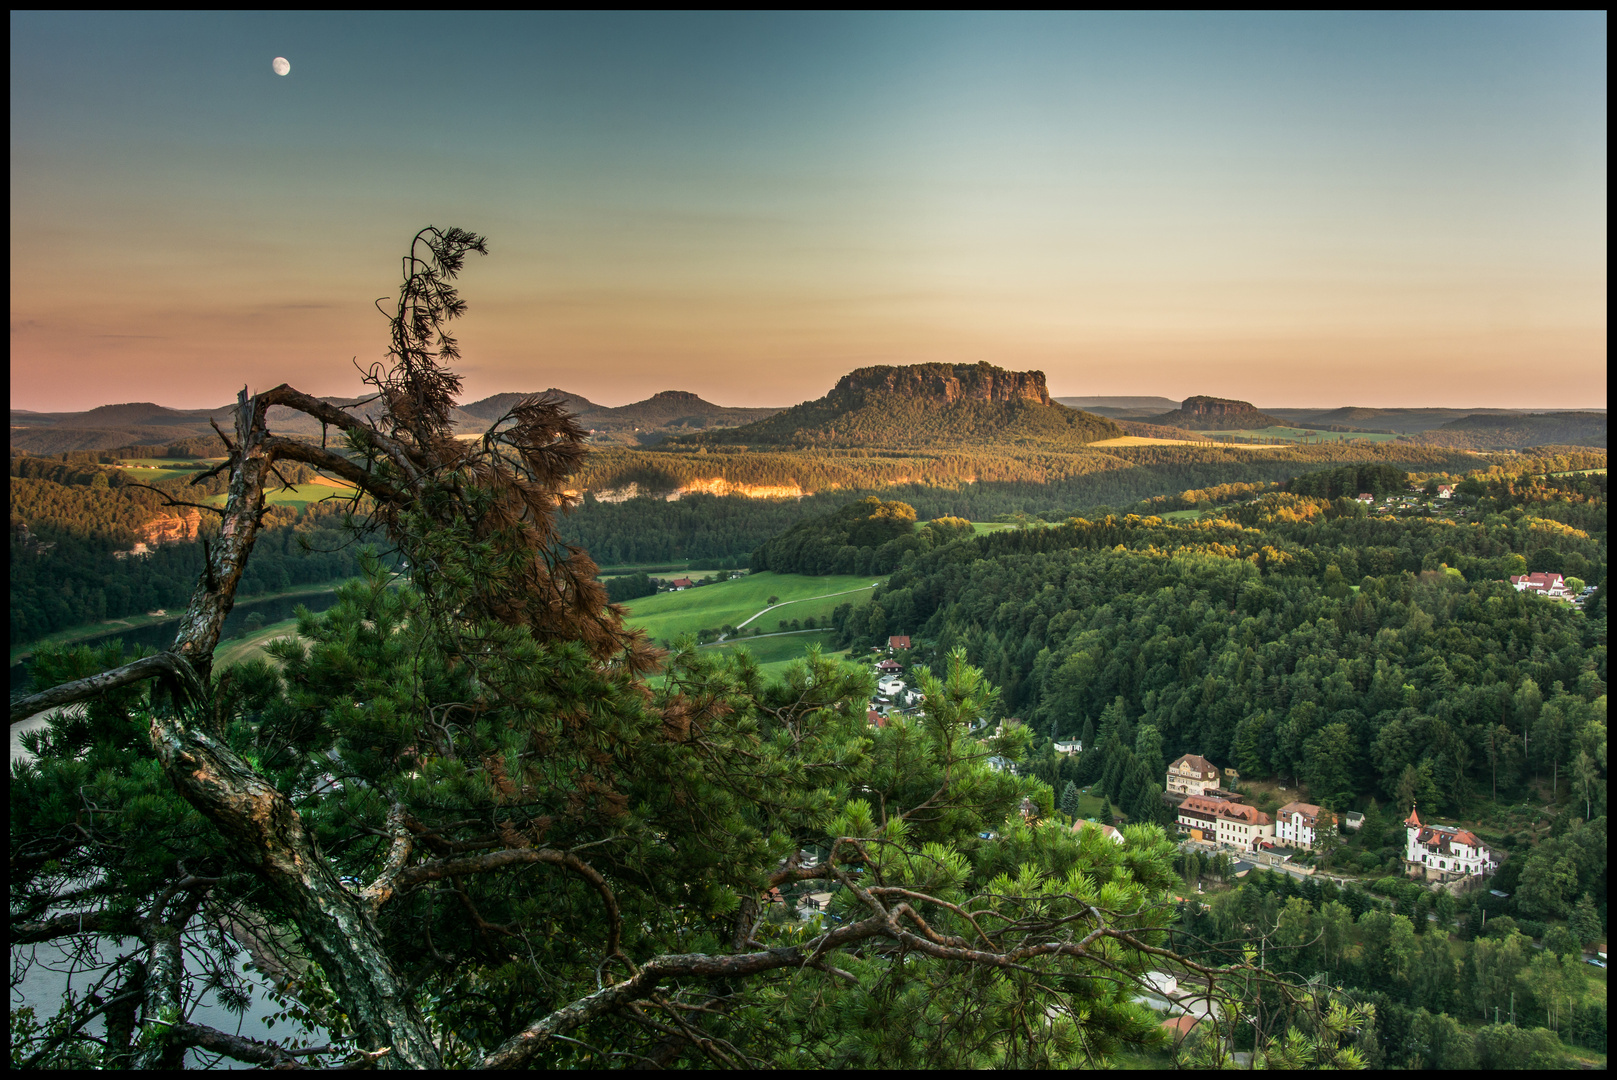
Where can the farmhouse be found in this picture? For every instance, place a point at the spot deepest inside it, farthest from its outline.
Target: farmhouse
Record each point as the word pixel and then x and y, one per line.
pixel 898 642
pixel 1191 774
pixel 681 584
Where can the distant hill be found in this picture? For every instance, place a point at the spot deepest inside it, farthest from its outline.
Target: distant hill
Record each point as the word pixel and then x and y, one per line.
pixel 1120 406
pixel 1515 431
pixel 109 427
pixel 492 408
pixel 1203 413
pixel 924 406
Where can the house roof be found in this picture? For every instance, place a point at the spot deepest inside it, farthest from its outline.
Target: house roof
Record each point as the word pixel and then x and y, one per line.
pixel 1248 815
pixel 1207 769
pixel 1106 830
pixel 898 642
pixel 1413 818
pixel 1181 1025
pixel 1310 812
pixel 681 583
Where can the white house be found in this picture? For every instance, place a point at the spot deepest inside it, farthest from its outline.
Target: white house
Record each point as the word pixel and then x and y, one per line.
pixel 1545 584
pixel 890 687
pixel 1302 825
pixel 1076 746
pixel 1443 852
pixel 1191 774
pixel 1107 831
pixel 1226 823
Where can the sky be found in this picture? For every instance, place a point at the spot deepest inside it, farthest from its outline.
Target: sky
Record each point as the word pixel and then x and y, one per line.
pixel 1305 209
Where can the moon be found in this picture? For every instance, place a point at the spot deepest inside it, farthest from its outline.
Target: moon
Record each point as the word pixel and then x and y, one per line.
pixel 280 65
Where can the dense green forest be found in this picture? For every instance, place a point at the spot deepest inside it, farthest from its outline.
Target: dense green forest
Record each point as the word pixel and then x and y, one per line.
pixel 866 537
pixel 71 516
pixel 66 578
pixel 1391 947
pixel 1296 637
pixel 1490 431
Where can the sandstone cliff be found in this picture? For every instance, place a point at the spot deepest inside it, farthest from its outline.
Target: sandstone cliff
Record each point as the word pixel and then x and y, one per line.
pixel 948 383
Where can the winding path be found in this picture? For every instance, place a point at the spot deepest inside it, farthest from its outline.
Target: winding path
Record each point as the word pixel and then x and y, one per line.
pixel 799 600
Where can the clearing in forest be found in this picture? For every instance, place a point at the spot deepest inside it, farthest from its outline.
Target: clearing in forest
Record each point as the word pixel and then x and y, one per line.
pixel 731 603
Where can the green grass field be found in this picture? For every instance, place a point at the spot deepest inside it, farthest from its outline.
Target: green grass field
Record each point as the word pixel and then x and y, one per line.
pixel 235 650
pixel 668 615
pixel 1293 434
pixel 776 654
pixel 298 495
pixel 1181 515
pixel 168 462
pixel 148 474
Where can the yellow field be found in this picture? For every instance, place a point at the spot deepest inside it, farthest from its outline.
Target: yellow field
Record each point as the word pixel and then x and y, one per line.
pixel 1141 440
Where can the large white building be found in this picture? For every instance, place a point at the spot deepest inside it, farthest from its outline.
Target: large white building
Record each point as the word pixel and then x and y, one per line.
pixel 1226 823
pixel 1302 825
pixel 1443 852
pixel 1191 774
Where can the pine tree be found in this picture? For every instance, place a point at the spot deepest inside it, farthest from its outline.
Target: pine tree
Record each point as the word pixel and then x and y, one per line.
pixel 459 805
pixel 1584 920
pixel 1069 800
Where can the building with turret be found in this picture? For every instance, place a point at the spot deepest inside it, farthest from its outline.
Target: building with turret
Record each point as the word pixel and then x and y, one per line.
pixel 1444 852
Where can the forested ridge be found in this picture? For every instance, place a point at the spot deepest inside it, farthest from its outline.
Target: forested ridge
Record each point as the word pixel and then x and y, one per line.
pixel 71 519
pixel 1292 635
pixel 469 818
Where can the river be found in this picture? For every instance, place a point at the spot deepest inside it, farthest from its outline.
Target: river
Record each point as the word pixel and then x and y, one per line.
pixel 160 635
pixel 50 969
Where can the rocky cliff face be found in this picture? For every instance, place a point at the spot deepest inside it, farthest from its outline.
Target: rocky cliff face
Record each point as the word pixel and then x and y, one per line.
pixel 1204 413
pixel 948 383
pixel 1215 408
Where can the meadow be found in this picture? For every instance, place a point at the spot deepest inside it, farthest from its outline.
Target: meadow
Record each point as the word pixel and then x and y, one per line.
pixel 1296 434
pixel 734 602
pixel 235 650
pixel 299 495
pixel 777 652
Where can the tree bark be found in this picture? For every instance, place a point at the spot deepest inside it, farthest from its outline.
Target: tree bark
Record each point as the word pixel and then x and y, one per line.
pixel 267 833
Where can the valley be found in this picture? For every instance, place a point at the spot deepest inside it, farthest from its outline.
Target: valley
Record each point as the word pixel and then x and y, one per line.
pixel 1351 620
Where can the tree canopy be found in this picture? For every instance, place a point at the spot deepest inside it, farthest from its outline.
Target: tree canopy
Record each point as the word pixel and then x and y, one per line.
pixel 460 824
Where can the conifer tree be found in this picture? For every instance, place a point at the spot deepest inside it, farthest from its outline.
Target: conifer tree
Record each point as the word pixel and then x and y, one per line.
pixel 461 828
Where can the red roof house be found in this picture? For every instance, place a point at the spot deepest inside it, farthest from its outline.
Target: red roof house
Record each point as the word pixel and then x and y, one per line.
pixel 901 642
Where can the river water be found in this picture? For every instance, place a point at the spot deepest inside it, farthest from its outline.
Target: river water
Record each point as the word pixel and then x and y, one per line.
pixel 50 970
pixel 161 635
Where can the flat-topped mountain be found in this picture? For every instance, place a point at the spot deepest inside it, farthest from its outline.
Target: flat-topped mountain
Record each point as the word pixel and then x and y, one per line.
pixel 1202 413
pixel 947 383
pixel 923 406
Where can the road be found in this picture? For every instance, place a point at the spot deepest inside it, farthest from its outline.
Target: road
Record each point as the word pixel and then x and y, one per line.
pixel 784 603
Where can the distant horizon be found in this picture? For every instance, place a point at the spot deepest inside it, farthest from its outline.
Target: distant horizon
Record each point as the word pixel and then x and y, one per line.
pixel 471 398
pixel 1386 206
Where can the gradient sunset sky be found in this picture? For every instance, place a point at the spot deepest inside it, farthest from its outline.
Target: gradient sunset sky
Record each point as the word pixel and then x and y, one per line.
pixel 1370 209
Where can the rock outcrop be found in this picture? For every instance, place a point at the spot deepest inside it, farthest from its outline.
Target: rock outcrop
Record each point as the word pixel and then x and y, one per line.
pixel 1202 413
pixel 949 383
